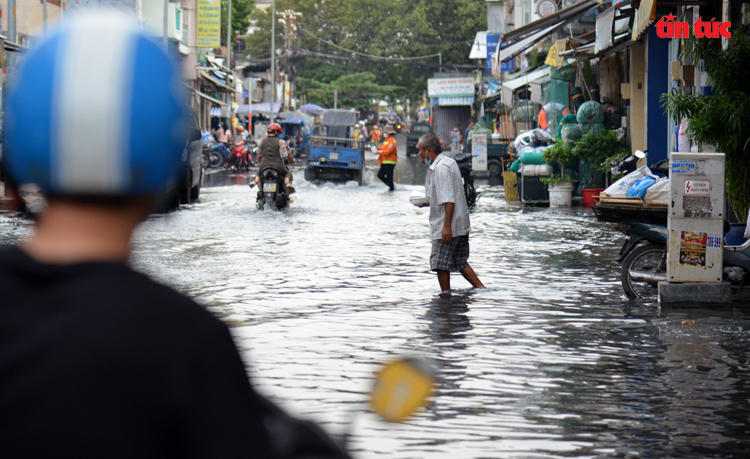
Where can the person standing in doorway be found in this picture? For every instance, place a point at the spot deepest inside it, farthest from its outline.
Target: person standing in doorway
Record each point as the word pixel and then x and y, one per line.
pixel 466 134
pixel 449 214
pixel 388 156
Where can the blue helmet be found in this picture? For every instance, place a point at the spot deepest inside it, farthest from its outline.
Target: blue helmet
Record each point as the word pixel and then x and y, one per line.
pixel 96 110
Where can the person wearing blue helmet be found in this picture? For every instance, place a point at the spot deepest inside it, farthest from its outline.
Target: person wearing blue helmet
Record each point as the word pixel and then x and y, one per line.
pixel 97 360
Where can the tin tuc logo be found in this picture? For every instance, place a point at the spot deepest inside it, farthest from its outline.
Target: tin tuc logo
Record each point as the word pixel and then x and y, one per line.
pixel 667 27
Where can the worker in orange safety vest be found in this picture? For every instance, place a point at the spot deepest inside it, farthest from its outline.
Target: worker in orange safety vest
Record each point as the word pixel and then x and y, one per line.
pixel 388 156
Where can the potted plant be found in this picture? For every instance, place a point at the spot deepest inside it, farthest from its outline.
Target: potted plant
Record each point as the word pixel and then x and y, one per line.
pixel 560 186
pixel 595 148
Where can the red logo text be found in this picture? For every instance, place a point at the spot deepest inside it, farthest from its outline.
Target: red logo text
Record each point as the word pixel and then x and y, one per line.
pixel 667 27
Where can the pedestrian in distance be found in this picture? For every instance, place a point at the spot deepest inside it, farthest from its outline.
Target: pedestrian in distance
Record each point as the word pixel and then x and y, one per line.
pixel 96 359
pixel 388 156
pixel 421 117
pixel 466 134
pixel 455 141
pixel 375 134
pixel 449 214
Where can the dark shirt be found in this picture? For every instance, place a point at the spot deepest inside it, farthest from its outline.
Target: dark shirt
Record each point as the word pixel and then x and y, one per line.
pixel 97 360
pixel 270 151
pixel 466 138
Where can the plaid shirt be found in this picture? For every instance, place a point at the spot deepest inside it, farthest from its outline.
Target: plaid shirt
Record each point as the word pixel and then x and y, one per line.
pixel 443 184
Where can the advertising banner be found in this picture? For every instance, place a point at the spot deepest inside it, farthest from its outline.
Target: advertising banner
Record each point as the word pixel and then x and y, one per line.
pixel 209 23
pixel 450 87
pixel 492 42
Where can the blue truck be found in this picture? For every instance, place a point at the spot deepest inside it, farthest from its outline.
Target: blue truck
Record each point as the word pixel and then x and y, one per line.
pixel 332 152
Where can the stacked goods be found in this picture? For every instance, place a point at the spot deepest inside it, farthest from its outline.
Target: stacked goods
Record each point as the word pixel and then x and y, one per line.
pixel 590 117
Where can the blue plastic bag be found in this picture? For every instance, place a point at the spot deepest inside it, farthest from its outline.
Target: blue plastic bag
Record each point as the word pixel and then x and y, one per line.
pixel 638 189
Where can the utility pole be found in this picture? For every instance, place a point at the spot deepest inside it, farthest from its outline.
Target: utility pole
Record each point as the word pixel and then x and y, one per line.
pixel 12 20
pixel 287 17
pixel 273 55
pixel 229 39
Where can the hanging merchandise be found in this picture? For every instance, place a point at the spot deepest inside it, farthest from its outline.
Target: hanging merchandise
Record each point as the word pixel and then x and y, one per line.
pixel 577 95
pixel 590 117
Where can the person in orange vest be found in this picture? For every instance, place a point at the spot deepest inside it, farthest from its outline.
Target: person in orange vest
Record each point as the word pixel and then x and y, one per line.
pixel 375 134
pixel 388 156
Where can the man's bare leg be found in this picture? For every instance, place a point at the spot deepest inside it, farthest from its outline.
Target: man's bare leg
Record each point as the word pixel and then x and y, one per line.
pixel 470 276
pixel 444 278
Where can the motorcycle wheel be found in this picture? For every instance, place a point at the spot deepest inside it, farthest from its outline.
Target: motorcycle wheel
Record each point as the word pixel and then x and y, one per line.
pixel 649 258
pixel 205 160
pixel 471 195
pixel 216 159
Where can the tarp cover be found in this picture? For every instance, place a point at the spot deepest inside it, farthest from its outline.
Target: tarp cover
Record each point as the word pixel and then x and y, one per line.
pixel 339 118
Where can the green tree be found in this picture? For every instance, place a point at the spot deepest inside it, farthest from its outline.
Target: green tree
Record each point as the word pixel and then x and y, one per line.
pixel 379 28
pixel 721 118
pixel 241 10
pixel 356 90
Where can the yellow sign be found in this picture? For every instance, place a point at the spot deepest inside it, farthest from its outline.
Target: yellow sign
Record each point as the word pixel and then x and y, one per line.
pixel 209 23
pixel 553 57
pixel 401 388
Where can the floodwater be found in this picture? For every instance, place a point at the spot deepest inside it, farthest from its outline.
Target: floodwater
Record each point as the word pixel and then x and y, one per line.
pixel 549 360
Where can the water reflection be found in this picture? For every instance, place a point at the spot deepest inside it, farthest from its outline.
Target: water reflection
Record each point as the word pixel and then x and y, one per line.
pixel 550 360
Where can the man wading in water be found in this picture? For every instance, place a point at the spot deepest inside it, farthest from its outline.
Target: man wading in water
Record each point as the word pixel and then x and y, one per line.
pixel 449 214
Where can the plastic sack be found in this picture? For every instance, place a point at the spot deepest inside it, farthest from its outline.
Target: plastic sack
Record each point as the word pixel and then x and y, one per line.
pixel 590 112
pixel 620 188
pixel 536 170
pixel 639 188
pixel 570 133
pixel 658 192
pixel 533 138
pixel 532 157
pixel 516 164
pixel 591 127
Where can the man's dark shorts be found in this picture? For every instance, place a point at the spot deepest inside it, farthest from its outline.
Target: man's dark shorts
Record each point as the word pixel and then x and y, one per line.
pixel 451 257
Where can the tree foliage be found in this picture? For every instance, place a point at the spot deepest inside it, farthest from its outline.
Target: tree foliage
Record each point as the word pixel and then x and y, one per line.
pixel 356 90
pixel 241 10
pixel 379 28
pixel 723 118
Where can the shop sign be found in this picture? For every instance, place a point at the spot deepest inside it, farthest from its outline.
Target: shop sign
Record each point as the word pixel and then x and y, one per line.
pixel 450 87
pixel 492 42
pixel 546 7
pixel 209 23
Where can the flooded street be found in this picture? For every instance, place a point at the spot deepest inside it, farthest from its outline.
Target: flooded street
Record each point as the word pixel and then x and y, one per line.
pixel 549 360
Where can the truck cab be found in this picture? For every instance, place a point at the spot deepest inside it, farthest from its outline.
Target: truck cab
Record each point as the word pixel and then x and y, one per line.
pixel 333 153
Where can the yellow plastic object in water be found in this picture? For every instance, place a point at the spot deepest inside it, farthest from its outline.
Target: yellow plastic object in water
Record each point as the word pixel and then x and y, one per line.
pixel 402 387
pixel 510 183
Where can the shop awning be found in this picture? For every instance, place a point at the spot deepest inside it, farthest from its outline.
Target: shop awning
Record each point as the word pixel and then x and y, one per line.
pixel 243 109
pixel 522 38
pixel 209 98
pixel 523 80
pixel 215 112
pixel 644 16
pixel 479 48
pixel 206 75
pixel 265 109
pixel 571 12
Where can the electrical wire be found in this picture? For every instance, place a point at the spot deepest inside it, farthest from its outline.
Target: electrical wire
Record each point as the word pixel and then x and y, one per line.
pixel 368 55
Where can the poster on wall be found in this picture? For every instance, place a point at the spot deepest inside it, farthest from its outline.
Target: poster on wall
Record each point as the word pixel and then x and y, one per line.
pixel 693 248
pixel 209 23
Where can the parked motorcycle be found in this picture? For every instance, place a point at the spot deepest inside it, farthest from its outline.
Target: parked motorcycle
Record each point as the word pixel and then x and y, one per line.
pixel 644 259
pixel 272 192
pixel 215 154
pixel 464 165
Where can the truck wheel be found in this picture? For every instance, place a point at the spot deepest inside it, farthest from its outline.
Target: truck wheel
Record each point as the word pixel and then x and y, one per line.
pixel 185 188
pixel 195 192
pixel 494 168
pixel 310 174
pixel 358 177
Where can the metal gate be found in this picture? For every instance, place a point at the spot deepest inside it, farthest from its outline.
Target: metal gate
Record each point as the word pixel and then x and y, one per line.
pixel 447 118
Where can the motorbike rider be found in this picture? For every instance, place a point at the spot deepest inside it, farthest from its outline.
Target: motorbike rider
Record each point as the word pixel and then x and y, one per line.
pixel 97 359
pixel 271 149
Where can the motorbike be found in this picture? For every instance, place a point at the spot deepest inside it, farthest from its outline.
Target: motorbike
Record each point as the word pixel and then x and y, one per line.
pixel 272 192
pixel 215 154
pixel 464 165
pixel 240 159
pixel 644 259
